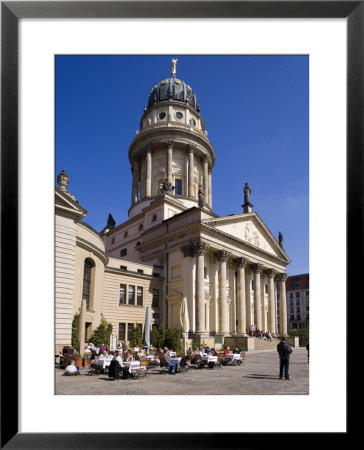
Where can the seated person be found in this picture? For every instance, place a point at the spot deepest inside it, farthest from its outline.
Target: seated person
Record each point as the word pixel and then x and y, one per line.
pixel 116 365
pixel 172 364
pixel 213 352
pixel 236 350
pixel 208 350
pixel 128 356
pixel 185 361
pixel 104 355
pixel 227 351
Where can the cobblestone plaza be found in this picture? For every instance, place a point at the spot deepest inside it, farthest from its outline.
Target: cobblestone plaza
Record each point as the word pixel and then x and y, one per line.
pixel 257 376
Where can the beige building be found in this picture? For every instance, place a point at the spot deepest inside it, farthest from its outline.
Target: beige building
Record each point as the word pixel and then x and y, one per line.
pixel 216 276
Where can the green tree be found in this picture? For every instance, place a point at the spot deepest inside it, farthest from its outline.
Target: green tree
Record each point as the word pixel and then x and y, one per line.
pixel 156 340
pixel 172 338
pixel 75 329
pixel 101 334
pixel 303 335
pixel 135 337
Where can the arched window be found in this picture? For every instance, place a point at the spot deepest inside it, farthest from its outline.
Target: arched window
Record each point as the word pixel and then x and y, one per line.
pixel 88 269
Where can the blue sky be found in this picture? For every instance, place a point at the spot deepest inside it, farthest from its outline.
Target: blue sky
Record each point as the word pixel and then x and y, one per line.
pixel 255 109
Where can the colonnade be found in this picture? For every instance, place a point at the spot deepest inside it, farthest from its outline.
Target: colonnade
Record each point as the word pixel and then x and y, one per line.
pixel 189 173
pixel 197 251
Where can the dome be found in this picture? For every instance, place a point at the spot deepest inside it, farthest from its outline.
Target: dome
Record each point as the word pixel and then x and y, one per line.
pixel 173 89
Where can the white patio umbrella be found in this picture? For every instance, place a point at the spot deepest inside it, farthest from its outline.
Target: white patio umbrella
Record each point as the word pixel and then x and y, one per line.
pixel 185 323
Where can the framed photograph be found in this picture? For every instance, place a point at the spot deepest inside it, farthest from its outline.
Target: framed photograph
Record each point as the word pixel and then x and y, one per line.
pixel 28 161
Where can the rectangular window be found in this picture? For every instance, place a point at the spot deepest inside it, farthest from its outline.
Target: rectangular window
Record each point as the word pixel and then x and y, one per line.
pixel 155 274
pixel 155 301
pixel 121 331
pixel 291 295
pixel 131 295
pixel 140 271
pixel 124 252
pixel 123 268
pixel 297 295
pixel 122 299
pixel 140 327
pixel 139 296
pixel 307 293
pixel 130 327
pixel 178 187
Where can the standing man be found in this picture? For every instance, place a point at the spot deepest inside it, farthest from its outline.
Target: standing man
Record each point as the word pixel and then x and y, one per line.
pixel 284 350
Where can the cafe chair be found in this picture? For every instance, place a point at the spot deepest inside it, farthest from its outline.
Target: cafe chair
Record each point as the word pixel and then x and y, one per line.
pixel 163 365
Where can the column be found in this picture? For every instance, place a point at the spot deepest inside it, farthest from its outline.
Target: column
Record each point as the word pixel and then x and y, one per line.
pixel 241 300
pixel 81 327
pixel 135 170
pixel 283 305
pixel 199 248
pixel 222 256
pixel 169 160
pixel 206 178
pixel 249 314
pixel 163 261
pixel 188 284
pixel 185 182
pixel 264 316
pixel 214 296
pixel 190 171
pixel 148 181
pixel 271 303
pixel 257 268
pixel 210 190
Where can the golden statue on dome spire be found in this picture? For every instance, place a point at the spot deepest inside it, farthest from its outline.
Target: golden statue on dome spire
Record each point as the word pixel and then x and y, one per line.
pixel 174 64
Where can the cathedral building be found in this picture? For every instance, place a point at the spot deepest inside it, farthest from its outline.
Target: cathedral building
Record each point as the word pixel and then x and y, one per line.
pixel 212 276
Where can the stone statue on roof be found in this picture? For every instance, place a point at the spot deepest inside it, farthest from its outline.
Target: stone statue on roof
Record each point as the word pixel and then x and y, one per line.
pixel 166 186
pixel 247 192
pixel 280 239
pixel 201 196
pixel 174 64
pixel 111 222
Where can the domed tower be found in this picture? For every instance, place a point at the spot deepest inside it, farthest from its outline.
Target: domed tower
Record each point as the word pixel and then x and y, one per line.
pixel 171 154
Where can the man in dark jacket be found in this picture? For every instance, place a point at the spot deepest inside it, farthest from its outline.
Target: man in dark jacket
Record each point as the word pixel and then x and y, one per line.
pixel 284 350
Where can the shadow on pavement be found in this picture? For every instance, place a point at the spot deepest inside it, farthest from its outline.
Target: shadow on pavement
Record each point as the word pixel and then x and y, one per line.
pixel 262 377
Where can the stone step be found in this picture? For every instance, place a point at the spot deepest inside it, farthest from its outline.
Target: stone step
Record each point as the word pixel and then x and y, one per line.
pixel 263 344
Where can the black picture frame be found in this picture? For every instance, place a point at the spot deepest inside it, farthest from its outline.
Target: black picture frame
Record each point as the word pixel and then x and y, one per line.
pixel 11 12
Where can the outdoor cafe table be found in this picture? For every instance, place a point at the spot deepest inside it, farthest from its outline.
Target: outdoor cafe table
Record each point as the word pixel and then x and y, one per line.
pixel 209 358
pixel 103 363
pixel 233 356
pixel 130 365
pixel 172 354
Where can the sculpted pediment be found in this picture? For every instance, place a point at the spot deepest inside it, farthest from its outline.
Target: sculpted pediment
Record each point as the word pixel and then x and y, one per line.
pixel 249 228
pixel 65 204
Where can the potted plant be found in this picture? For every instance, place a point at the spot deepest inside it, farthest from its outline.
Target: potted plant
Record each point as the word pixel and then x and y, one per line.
pixel 78 360
pixel 86 360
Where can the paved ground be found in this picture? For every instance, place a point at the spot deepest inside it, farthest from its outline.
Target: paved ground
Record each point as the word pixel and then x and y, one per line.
pixel 258 375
